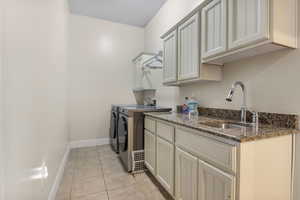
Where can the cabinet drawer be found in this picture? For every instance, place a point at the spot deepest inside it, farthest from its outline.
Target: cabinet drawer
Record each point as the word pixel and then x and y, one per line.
pixel 220 154
pixel 165 131
pixel 150 125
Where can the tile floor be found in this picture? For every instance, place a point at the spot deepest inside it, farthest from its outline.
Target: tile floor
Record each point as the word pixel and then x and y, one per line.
pixel 95 173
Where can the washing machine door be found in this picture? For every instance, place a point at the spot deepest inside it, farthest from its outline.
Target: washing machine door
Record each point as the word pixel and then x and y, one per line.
pixel 123 133
pixel 113 125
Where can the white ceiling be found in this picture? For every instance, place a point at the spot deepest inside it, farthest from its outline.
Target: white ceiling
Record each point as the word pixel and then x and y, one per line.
pixel 132 12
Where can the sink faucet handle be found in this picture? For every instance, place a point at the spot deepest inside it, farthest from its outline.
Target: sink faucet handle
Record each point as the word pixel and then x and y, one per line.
pixel 255 117
pixel 244 114
pixel 255 120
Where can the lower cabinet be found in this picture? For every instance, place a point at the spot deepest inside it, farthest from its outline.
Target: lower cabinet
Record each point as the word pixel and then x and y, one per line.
pixel 197 180
pixel 182 174
pixel 186 176
pixel 150 151
pixel 165 164
pixel 205 168
pixel 214 184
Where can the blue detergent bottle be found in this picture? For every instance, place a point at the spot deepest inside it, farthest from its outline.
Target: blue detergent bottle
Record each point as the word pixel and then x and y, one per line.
pixel 193 108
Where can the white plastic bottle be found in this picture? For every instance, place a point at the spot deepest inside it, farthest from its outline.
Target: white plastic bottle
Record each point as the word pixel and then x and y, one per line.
pixel 193 108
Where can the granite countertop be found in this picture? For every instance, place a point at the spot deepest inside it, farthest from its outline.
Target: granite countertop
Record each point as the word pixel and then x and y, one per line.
pixel 243 134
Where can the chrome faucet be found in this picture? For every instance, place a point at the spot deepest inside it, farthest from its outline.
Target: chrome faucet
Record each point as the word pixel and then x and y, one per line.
pixel 230 96
pixel 244 106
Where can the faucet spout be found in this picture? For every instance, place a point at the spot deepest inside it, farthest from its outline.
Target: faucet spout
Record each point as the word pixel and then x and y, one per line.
pixel 230 96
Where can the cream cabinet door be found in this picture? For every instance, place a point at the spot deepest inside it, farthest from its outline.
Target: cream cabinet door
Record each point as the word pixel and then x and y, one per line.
pixel 186 176
pixel 165 164
pixel 170 58
pixel 214 184
pixel 248 22
pixel 150 151
pixel 188 49
pixel 214 28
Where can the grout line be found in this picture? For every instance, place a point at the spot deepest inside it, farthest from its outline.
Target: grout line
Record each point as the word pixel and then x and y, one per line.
pixel 73 174
pixel 101 166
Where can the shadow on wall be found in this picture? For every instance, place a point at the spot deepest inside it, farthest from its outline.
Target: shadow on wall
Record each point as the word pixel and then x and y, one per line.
pixel 270 80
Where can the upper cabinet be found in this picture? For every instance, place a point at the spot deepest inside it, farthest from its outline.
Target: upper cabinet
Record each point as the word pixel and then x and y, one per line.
pixel 170 57
pixel 188 46
pixel 221 31
pixel 182 54
pixel 248 22
pixel 214 29
pixel 254 27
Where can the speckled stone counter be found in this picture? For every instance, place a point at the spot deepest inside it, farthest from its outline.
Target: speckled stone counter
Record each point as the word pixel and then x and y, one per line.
pixel 242 134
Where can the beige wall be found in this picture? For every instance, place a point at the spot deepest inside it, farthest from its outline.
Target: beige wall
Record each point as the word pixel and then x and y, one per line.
pixel 297 171
pixel 1 105
pixel 101 72
pixel 272 80
pixel 35 75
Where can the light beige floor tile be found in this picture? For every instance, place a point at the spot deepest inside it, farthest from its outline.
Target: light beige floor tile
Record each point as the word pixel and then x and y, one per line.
pixel 108 158
pixel 150 191
pixel 99 196
pixel 126 193
pixel 87 154
pixel 87 173
pixel 87 163
pixel 93 172
pixel 64 190
pixel 111 167
pixel 68 171
pixel 141 177
pixel 88 186
pixel 63 196
pixel 154 195
pixel 149 188
pixel 88 159
pixel 70 165
pixel 107 154
pixel 111 163
pixel 144 182
pixel 116 181
pixel 103 148
pixel 134 193
pixel 73 150
pixel 114 170
pixel 86 149
pixel 65 185
pixel 72 156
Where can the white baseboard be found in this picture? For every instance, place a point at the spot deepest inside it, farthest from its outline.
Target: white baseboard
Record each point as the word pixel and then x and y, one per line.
pixel 89 143
pixel 59 175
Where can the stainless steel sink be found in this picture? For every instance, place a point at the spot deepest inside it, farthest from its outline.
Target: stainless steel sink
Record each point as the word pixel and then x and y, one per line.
pixel 227 125
pixel 230 125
